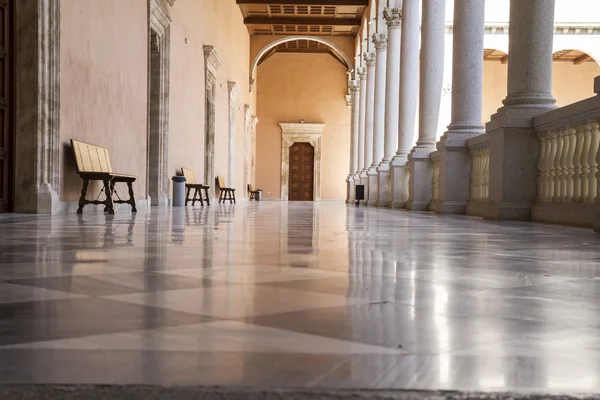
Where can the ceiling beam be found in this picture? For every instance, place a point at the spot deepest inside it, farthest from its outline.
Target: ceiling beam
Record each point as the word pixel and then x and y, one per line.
pixel 504 59
pixel 359 3
pixel 581 59
pixel 302 21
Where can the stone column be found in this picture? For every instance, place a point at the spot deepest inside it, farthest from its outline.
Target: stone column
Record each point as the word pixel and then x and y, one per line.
pixel 234 92
pixel 370 60
pixel 393 18
pixel 467 91
pixel 362 108
pixel 409 87
pixel 354 115
pixel 433 32
pixel 514 146
pixel 380 40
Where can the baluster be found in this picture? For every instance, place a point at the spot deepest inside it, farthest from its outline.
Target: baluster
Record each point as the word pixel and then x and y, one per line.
pixel 585 164
pixel 557 169
pixel 541 165
pixel 570 168
pixel 595 141
pixel 474 175
pixel 486 175
pixel 478 181
pixel 577 164
pixel 563 164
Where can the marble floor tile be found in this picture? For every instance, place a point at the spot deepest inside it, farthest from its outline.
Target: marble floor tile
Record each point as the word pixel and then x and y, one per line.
pixel 236 301
pixel 299 295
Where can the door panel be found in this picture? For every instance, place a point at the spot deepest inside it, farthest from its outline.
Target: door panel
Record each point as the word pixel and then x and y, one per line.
pixel 6 98
pixel 302 161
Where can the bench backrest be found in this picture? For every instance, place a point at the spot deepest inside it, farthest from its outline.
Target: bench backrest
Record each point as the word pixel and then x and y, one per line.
pixel 251 188
pixel 221 182
pixel 91 158
pixel 189 176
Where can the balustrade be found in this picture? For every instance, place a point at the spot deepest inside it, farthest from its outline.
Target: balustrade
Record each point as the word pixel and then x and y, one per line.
pixel 435 159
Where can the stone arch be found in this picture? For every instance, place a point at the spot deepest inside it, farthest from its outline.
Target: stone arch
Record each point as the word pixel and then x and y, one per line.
pixel 590 54
pixel 338 51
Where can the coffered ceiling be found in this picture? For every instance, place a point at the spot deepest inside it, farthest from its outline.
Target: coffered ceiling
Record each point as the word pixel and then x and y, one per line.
pixel 303 17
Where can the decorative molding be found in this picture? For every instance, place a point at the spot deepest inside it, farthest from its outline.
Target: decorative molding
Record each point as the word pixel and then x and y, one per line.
pixel 234 92
pixel 380 41
pixel 559 29
pixel 161 10
pixel 212 60
pixel 393 17
pixel 300 133
pixel 370 59
pixel 37 106
pixel 349 100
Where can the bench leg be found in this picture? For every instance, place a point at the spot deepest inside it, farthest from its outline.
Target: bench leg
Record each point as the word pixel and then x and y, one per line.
pixel 187 196
pixel 220 196
pixel 108 202
pixel 207 197
pixel 84 189
pixel 233 196
pixel 131 197
pixel 199 193
pixel 112 190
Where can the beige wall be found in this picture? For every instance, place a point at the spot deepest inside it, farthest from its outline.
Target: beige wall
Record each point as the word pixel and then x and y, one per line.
pixel 291 87
pixel 570 83
pixel 104 71
pixel 103 85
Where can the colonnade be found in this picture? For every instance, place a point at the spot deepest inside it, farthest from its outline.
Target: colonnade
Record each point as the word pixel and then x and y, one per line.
pixel 403 80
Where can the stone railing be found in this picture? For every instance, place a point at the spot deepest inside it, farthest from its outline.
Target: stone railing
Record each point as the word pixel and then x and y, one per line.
pixel 435 183
pixel 568 175
pixel 479 148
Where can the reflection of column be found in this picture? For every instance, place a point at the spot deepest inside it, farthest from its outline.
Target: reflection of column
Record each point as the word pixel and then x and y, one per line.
pixel 409 87
pixel 234 92
pixel 393 19
pixel 380 40
pixel 430 96
pixel 354 114
pixel 467 88
pixel 514 145
pixel 370 60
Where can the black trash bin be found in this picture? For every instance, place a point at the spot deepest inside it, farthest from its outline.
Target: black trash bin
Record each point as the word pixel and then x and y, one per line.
pixel 360 193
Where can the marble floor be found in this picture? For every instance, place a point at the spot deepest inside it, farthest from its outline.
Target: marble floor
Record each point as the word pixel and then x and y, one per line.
pixel 299 295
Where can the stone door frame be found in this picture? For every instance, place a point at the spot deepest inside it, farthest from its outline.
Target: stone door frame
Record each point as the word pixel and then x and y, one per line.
pixel 159 39
pixel 303 133
pixel 37 106
pixel 212 62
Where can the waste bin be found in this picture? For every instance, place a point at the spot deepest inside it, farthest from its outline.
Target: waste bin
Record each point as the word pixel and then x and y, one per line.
pixel 259 195
pixel 178 191
pixel 360 193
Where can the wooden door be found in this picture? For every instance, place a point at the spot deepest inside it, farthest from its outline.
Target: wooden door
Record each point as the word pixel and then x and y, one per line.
pixel 6 101
pixel 302 164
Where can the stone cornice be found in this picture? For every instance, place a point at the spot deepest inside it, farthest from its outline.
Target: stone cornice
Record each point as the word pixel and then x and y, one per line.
pixel 213 60
pixel 234 89
pixel 501 28
pixel 302 129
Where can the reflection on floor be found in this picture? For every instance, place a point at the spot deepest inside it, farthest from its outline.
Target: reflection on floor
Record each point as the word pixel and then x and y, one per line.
pixel 295 295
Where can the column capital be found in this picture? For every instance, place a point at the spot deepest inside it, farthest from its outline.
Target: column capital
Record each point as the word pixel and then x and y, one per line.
pixel 370 59
pixel 393 17
pixel 380 41
pixel 362 73
pixel 353 86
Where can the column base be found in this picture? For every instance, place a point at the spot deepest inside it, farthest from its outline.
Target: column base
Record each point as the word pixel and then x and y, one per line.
pixel 364 180
pixel 350 189
pixel 420 184
pixel 373 187
pixel 477 208
pixel 455 173
pixel 399 179
pixel 384 197
pixel 514 151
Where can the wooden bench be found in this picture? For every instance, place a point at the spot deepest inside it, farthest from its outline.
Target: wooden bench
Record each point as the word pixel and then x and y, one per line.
pixel 254 194
pixel 226 192
pixel 93 164
pixel 190 184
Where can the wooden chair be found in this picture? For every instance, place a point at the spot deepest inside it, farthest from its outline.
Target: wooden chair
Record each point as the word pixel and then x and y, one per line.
pixel 253 193
pixel 226 193
pixel 190 184
pixel 93 164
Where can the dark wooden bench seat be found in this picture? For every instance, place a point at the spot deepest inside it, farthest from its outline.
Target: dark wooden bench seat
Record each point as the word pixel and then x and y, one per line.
pixel 93 164
pixel 198 188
